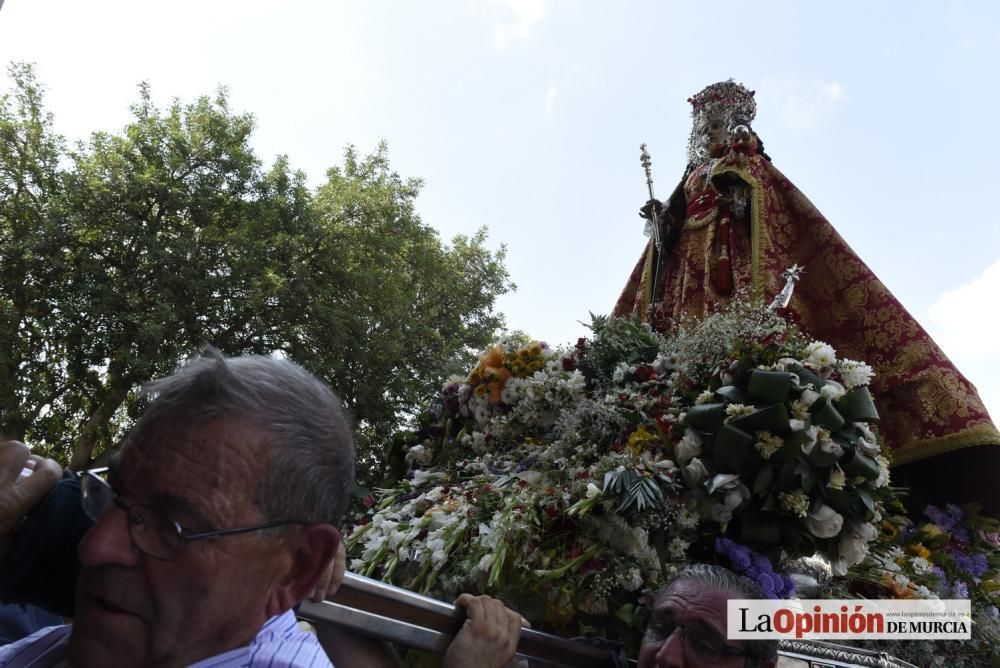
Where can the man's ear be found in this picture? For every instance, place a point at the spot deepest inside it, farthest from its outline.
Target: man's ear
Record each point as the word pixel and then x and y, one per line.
pixel 311 549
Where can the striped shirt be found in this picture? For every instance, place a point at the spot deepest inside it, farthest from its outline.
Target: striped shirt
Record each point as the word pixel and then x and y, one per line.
pixel 279 644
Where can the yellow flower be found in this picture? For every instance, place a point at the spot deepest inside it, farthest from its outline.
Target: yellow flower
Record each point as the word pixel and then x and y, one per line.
pixel 932 530
pixel 890 530
pixel 640 439
pixel 918 550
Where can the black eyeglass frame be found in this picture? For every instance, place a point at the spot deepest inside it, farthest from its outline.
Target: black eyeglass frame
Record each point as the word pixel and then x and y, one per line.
pixel 181 535
pixel 724 651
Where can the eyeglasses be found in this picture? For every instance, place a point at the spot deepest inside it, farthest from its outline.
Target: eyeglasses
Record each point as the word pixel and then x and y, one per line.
pixel 700 645
pixel 152 532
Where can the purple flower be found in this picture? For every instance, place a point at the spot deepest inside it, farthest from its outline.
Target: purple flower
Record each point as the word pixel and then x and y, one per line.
pixel 947 519
pixel 789 589
pixel 766 585
pixel 762 562
pixel 973 564
pixel 738 555
pixel 959 589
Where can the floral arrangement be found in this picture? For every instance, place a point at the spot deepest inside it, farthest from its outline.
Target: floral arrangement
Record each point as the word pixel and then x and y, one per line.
pixel 954 553
pixel 574 482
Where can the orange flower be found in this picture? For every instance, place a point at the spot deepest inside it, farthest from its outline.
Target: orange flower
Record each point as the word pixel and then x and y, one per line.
pixel 493 357
pixel 497 378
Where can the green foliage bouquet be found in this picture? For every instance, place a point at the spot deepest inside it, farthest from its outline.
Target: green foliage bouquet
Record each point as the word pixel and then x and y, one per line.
pixel 574 482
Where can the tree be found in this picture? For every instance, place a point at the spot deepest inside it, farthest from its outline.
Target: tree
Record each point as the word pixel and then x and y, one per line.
pixel 170 235
pixel 33 259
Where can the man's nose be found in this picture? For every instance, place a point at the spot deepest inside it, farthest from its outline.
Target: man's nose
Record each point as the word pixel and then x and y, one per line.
pixel 671 654
pixel 108 541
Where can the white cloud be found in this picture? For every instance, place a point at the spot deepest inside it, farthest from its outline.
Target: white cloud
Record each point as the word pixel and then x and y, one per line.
pixel 805 104
pixel 964 322
pixel 550 99
pixel 518 20
pixel 967 319
pixel 833 91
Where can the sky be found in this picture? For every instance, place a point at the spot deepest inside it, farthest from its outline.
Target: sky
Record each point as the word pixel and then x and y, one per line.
pixel 526 116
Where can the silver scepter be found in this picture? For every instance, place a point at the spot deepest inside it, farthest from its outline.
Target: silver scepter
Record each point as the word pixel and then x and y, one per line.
pixel 654 223
pixel 791 276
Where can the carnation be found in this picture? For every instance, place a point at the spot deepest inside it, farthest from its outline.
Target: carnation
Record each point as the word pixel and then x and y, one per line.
pixel 796 502
pixel 767 444
pixel 820 355
pixel 734 411
pixel 855 374
pixel 704 397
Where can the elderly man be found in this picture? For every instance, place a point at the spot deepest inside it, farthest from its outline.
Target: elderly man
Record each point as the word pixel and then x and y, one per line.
pixel 216 520
pixel 688 624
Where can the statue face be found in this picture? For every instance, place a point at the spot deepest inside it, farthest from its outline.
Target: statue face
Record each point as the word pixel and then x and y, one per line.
pixel 713 136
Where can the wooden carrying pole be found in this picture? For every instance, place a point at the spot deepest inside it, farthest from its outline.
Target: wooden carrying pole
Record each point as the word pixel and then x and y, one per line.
pixel 382 611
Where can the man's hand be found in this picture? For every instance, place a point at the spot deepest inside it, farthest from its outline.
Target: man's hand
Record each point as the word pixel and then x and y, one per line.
pixel 333 577
pixel 20 494
pixel 651 207
pixel 488 638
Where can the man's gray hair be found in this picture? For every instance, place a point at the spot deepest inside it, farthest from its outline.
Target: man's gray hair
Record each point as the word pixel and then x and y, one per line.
pixel 722 579
pixel 310 466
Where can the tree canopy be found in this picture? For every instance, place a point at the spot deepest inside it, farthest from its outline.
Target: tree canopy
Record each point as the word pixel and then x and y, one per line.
pixel 129 252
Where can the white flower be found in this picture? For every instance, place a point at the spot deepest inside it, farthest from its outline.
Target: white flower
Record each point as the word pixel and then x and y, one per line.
pixel 662 365
pixel 593 490
pixel 800 410
pixel 689 447
pixel 420 454
pixel 813 434
pixel 694 472
pixel 870 448
pixel 620 372
pixel 530 477
pixel 832 390
pixel 837 478
pixel 486 562
pixel 421 478
pixel 665 465
pixel 722 481
pixel 796 502
pixel 883 471
pixel 866 431
pixel 720 513
pixel 767 443
pixel 920 565
pixel 687 517
pixel 633 579
pixel 824 522
pixel 478 442
pixel 854 541
pixel 511 392
pixel 796 424
pixel 734 411
pixel 735 496
pixel 820 354
pixel 832 447
pixel 705 397
pixel 855 374
pixel 805 400
pixel 677 549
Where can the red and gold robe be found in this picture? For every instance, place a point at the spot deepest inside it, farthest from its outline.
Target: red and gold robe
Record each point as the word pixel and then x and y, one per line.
pixel 927 406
